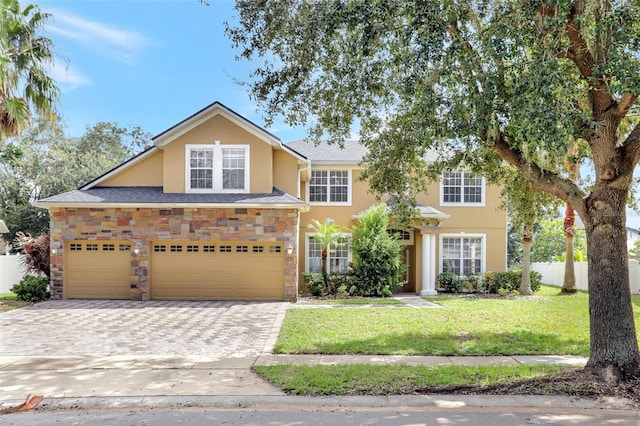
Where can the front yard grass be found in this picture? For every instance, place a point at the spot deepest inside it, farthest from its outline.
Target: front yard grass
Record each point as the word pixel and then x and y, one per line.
pixel 416 380
pixel 9 301
pixel 543 324
pixel 361 379
pixel 357 301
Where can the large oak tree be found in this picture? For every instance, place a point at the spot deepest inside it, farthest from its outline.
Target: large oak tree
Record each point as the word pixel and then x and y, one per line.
pixel 480 82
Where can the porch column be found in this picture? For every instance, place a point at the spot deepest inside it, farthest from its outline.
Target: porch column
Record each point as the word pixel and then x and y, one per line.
pixel 432 277
pixel 428 265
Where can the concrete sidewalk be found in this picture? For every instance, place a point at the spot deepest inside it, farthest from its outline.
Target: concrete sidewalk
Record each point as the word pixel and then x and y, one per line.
pixel 135 376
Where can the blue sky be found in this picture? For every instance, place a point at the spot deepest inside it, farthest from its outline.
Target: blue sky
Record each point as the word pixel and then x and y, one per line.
pixel 146 63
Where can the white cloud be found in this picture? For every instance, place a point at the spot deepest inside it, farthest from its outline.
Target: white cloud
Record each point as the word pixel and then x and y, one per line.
pixel 122 45
pixel 65 75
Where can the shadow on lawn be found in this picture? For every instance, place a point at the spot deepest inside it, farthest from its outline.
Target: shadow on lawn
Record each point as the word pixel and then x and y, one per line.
pixel 443 344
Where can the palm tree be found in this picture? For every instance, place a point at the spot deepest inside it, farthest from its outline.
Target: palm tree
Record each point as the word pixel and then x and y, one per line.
pixel 25 86
pixel 326 233
pixel 569 282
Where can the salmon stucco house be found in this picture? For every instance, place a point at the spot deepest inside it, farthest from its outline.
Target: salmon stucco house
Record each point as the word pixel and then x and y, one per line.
pixel 218 209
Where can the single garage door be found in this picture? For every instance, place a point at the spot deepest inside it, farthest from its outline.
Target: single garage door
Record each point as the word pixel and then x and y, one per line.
pixel 195 270
pixel 97 269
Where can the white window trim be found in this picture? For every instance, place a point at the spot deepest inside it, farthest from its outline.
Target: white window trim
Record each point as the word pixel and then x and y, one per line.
pixel 217 168
pixel 462 203
pixel 483 263
pixel 307 237
pixel 332 203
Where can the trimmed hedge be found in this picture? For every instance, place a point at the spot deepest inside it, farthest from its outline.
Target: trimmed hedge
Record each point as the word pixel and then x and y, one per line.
pixel 337 282
pixel 492 282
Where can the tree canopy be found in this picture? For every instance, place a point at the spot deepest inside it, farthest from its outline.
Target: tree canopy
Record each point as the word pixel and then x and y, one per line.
pixel 479 84
pixel 549 242
pixel 44 161
pixel 25 55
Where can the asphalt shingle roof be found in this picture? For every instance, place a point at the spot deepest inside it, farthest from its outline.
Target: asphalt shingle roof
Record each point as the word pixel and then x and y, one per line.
pixel 154 195
pixel 351 151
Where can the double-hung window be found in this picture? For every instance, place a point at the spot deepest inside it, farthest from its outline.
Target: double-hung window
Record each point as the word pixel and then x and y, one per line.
pixel 462 188
pixel 461 254
pixel 338 255
pixel 200 169
pixel 330 187
pixel 217 168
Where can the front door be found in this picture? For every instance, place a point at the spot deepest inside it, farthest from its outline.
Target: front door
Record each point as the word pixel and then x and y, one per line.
pixel 410 285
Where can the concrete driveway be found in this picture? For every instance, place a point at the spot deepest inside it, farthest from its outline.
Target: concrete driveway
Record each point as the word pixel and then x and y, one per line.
pixel 122 327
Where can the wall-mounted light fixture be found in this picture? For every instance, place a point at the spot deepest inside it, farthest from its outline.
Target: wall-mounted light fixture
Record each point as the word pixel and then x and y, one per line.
pixel 137 248
pixel 55 248
pixel 289 248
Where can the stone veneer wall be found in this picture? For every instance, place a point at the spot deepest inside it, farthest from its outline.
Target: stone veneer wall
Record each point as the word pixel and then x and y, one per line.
pixel 143 225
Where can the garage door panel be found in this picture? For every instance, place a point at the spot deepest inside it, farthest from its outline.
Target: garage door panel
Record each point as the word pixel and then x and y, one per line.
pixel 98 270
pixel 217 271
pixel 222 294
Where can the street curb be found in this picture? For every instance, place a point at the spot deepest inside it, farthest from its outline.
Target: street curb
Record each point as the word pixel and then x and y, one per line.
pixel 330 402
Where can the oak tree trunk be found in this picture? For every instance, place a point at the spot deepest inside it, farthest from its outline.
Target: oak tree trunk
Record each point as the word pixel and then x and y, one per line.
pixel 614 345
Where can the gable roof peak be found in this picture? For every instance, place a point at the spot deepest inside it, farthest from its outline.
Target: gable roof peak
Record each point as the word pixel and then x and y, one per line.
pixel 208 112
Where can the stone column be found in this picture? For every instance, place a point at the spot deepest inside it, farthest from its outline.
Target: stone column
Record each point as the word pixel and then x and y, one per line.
pixel 140 270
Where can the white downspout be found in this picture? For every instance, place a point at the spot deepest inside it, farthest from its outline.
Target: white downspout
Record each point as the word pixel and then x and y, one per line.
pixel 308 167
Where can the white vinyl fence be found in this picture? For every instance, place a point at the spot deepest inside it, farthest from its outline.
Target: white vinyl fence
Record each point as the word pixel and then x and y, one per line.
pixel 11 272
pixel 553 274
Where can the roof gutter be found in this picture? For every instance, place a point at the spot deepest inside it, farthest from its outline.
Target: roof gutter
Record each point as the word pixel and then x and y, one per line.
pixel 280 206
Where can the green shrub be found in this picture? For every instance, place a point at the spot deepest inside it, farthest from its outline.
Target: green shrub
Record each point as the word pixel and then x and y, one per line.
pixel 343 292
pixel 509 281
pixel 475 284
pixel 449 282
pixel 335 280
pixel 377 255
pixel 32 289
pixel 315 283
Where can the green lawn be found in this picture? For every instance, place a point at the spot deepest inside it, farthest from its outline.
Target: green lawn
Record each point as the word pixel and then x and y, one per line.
pixel 9 301
pixel 549 324
pixel 362 379
pixel 358 301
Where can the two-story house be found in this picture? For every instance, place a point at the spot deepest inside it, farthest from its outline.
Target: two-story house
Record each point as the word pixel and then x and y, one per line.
pixel 218 209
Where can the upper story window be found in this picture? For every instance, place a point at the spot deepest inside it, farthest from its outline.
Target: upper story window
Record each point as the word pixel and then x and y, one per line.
pixel 217 168
pixel 330 187
pixel 462 188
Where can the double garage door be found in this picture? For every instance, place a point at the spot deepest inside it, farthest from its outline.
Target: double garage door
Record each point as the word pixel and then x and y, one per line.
pixel 180 270
pixel 217 270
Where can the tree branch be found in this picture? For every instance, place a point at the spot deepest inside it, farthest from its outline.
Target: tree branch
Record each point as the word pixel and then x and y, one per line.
pixel 625 103
pixel 583 58
pixel 541 179
pixel 632 146
pixel 580 54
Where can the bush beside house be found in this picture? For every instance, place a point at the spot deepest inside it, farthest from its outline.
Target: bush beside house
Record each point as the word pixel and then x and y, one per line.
pixel 32 289
pixel 377 255
pixel 377 267
pixel 492 282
